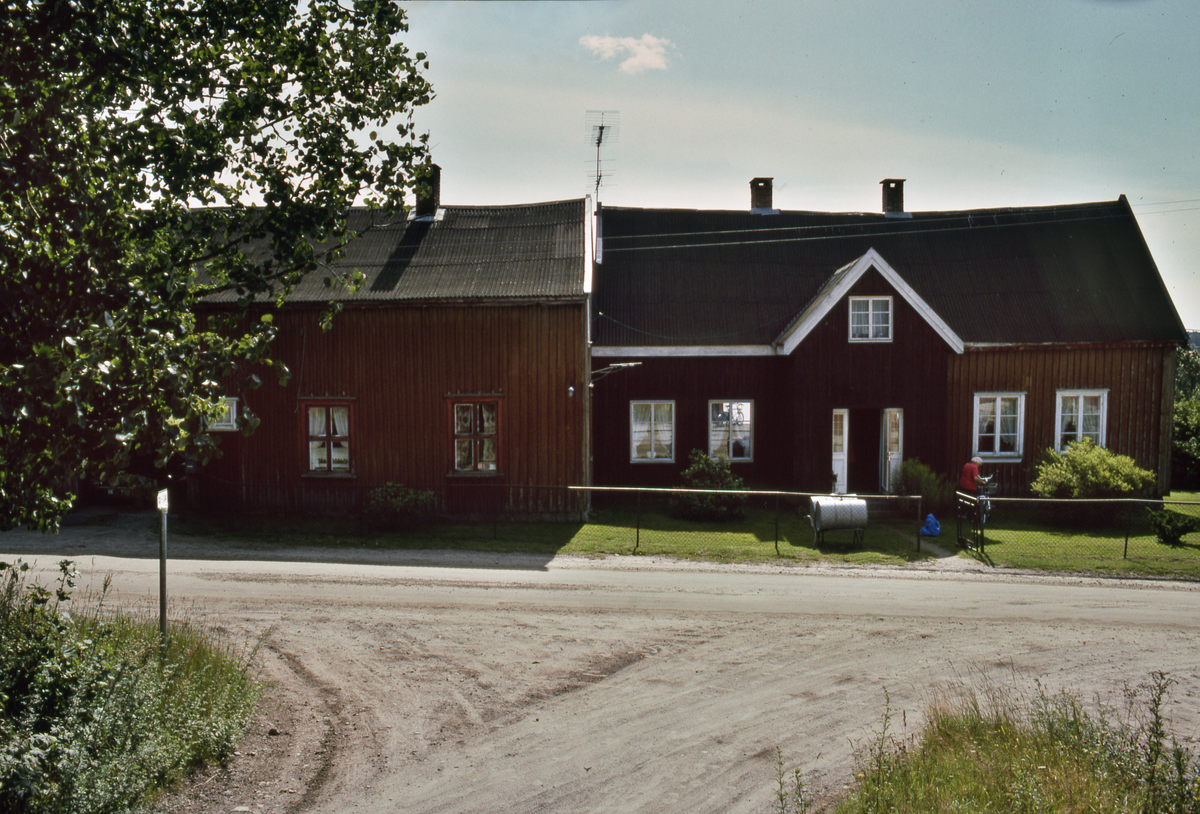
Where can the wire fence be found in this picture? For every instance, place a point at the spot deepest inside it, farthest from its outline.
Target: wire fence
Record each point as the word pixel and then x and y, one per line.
pixel 630 519
pixel 1151 537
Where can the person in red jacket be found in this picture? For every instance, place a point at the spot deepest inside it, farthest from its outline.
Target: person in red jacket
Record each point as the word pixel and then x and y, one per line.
pixel 969 481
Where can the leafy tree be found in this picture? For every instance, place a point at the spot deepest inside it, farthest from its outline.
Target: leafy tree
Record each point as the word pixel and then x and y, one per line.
pixel 154 152
pixel 1185 447
pixel 1187 373
pixel 1086 470
pixel 1185 452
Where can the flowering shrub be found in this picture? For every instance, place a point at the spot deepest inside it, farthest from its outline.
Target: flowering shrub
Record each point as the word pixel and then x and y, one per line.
pixel 1086 470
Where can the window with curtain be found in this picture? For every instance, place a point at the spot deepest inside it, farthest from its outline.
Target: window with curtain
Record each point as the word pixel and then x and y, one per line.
pixel 476 435
pixel 329 437
pixel 870 319
pixel 731 429
pixel 1081 414
pixel 652 431
pixel 999 424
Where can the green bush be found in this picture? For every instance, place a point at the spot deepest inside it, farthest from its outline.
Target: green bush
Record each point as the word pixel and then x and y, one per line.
pixel 704 472
pixel 95 715
pixel 395 504
pixel 1170 527
pixel 935 490
pixel 1086 470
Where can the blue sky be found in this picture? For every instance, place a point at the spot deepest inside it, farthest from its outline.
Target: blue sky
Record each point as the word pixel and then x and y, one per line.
pixel 976 104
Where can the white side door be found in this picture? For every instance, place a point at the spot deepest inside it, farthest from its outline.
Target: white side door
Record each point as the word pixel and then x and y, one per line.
pixel 893 449
pixel 841 435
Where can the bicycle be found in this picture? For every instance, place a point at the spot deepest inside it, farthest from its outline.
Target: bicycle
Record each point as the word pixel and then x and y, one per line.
pixel 975 510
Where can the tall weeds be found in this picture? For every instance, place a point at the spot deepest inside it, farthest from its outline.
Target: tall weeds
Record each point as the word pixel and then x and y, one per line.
pixel 95 714
pixel 1004 753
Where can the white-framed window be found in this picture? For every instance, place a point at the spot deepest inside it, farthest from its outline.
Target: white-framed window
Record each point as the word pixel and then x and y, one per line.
pixel 999 425
pixel 731 430
pixel 870 319
pixel 1081 414
pixel 228 419
pixel 328 433
pixel 652 431
pixel 476 435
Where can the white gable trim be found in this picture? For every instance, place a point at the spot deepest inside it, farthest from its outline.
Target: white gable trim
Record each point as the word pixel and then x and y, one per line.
pixel 845 278
pixel 684 350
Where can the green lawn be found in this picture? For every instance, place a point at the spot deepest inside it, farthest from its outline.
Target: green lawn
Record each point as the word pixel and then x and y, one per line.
pixel 1121 543
pixel 889 539
pixel 1016 536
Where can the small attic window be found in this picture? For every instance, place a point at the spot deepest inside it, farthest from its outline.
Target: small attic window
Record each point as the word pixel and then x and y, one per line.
pixel 870 319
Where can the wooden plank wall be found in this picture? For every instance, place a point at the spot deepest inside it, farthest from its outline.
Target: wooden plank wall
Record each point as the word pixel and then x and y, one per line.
pixel 399 365
pixel 794 399
pixel 1139 379
pixel 830 372
pixel 691 382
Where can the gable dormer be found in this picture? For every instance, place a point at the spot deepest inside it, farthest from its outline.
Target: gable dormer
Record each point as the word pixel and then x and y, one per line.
pixel 872 318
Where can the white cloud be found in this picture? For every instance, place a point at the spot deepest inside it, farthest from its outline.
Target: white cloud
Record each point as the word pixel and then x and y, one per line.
pixel 645 52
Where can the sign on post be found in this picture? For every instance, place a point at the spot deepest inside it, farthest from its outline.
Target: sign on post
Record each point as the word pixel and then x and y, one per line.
pixel 162 568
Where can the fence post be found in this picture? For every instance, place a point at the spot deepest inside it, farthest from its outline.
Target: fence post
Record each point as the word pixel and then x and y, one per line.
pixel 776 525
pixel 920 525
pixel 637 539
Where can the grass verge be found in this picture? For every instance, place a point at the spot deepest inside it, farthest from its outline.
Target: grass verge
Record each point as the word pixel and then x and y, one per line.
pixel 1004 753
pixel 97 715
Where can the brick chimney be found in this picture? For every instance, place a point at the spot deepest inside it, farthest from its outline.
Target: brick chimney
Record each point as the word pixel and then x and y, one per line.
pixel 430 198
pixel 893 196
pixel 760 194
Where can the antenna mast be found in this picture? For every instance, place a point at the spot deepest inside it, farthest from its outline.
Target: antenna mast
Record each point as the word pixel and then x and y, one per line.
pixel 602 127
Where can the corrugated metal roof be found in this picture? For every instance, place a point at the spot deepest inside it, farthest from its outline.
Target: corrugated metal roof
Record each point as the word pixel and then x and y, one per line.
pixel 526 251
pixel 1063 274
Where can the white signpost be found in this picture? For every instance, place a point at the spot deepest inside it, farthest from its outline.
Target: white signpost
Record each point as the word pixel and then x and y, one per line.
pixel 162 567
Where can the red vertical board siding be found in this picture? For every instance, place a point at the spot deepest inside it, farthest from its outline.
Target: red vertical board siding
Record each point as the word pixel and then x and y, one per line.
pixel 398 365
pixel 1133 375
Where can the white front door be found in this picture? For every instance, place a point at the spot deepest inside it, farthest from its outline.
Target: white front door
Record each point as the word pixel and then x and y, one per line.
pixel 841 431
pixel 892 449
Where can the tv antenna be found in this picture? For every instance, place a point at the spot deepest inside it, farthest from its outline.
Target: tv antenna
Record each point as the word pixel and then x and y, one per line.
pixel 602 127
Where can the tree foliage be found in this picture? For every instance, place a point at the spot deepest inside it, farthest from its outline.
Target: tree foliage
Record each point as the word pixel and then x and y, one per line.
pixel 1187 373
pixel 1086 470
pixel 1185 447
pixel 1185 452
pixel 155 152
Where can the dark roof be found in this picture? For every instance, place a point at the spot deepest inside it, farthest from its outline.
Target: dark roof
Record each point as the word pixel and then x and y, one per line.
pixel 527 251
pixel 1061 274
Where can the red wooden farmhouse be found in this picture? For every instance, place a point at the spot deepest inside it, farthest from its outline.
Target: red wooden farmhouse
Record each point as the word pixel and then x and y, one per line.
pixel 460 364
pixel 508 346
pixel 818 350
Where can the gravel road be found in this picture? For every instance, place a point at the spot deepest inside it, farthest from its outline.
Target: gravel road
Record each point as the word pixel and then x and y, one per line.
pixel 439 682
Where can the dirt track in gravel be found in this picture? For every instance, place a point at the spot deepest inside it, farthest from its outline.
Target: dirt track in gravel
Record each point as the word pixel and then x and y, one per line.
pixel 434 682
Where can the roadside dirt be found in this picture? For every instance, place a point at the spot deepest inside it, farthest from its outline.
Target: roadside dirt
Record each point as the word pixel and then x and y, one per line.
pixel 428 682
